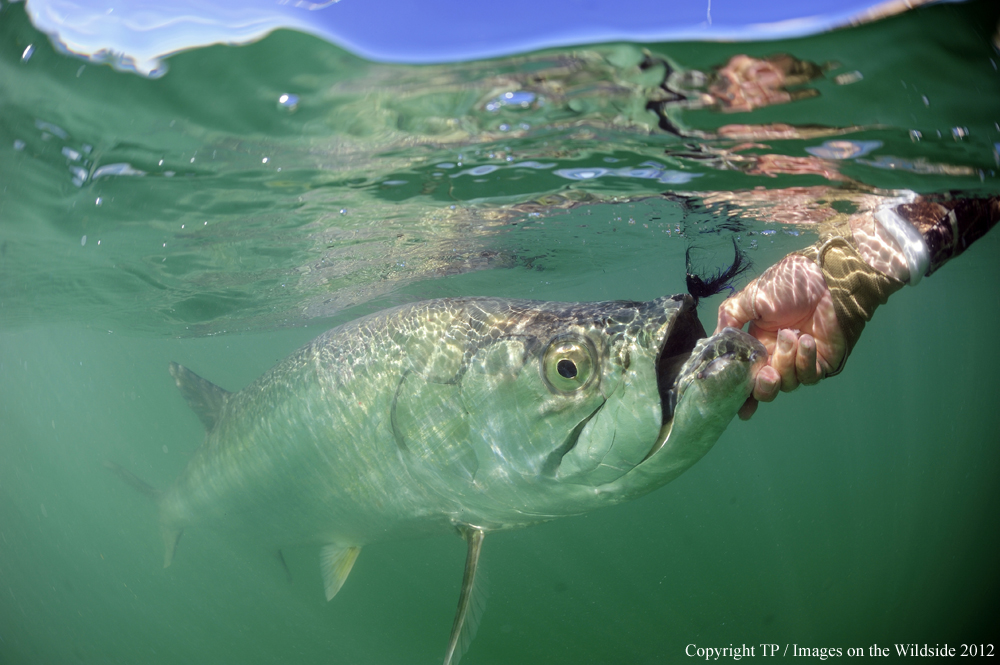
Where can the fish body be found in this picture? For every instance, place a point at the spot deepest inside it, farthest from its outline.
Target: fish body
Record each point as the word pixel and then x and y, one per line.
pixel 467 414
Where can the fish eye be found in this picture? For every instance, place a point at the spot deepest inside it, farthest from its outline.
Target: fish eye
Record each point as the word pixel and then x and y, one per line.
pixel 569 364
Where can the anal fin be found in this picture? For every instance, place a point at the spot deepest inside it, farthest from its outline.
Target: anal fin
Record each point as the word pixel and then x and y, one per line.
pixel 335 563
pixel 472 600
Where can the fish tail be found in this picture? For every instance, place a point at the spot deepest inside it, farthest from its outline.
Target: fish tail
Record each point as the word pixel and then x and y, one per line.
pixel 133 480
pixel 171 534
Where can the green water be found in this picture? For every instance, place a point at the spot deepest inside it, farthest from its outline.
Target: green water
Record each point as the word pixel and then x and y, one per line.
pixel 861 511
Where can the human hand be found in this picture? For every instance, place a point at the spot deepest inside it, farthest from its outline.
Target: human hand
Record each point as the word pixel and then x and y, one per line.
pixel 790 310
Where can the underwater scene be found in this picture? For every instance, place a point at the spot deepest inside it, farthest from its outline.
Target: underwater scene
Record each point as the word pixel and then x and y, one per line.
pixel 211 218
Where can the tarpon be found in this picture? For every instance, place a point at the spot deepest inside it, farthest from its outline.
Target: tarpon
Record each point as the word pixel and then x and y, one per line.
pixel 468 415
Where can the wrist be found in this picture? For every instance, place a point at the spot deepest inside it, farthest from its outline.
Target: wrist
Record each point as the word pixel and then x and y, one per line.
pixel 856 287
pixel 890 240
pixel 907 237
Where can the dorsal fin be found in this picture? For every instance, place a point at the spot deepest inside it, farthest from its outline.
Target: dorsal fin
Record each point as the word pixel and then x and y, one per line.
pixel 335 563
pixel 204 397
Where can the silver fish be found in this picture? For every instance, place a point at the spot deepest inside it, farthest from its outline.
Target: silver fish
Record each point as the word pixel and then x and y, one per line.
pixel 472 415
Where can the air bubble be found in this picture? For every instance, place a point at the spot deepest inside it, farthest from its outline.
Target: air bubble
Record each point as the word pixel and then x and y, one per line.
pixel 513 98
pixel 288 102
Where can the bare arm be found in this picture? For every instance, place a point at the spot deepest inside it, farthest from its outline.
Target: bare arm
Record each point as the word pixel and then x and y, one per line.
pixel 793 310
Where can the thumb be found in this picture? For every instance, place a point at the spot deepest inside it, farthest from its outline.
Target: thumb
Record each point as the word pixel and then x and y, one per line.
pixel 735 312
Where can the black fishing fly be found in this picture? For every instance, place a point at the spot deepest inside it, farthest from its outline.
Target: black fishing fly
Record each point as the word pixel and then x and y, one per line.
pixel 719 281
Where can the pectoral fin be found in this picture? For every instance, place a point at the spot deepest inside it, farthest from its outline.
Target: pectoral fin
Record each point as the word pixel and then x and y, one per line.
pixel 335 563
pixel 472 600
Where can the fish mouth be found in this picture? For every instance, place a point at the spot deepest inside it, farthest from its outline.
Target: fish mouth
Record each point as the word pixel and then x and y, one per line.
pixel 689 355
pixel 677 347
pixel 676 319
pixel 679 357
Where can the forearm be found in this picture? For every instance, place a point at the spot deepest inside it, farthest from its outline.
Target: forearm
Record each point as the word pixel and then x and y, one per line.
pixel 809 308
pixel 874 254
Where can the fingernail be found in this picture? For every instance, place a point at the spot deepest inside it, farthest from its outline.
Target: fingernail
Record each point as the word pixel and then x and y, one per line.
pixel 769 383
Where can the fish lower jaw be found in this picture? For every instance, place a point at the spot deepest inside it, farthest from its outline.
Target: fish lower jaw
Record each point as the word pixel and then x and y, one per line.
pixel 661 439
pixel 715 386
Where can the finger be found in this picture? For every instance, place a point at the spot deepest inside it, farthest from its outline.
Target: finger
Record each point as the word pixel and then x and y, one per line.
pixel 735 312
pixel 767 384
pixel 783 360
pixel 748 409
pixel 805 361
pixel 768 338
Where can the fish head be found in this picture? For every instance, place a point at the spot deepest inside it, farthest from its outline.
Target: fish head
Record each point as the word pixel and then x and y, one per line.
pixel 670 392
pixel 589 394
pixel 700 399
